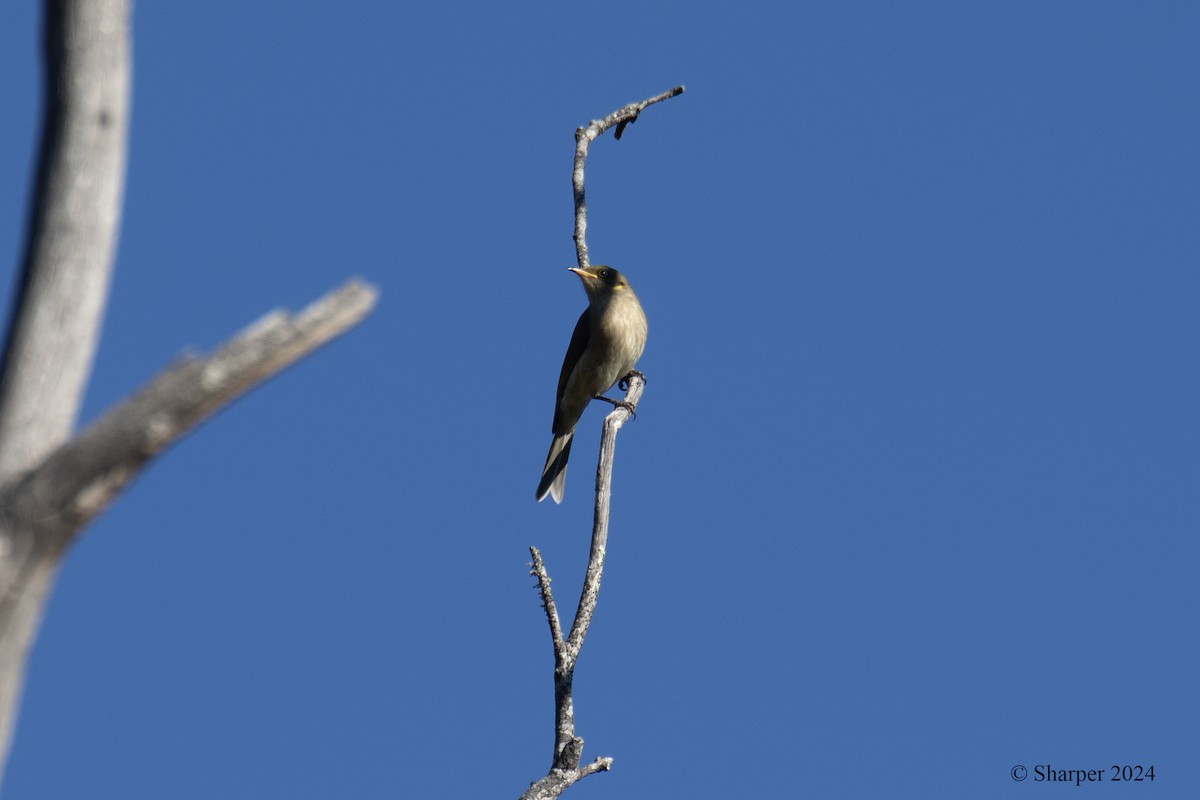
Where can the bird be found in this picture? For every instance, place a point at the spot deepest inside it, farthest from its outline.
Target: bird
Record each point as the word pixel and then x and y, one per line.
pixel 608 340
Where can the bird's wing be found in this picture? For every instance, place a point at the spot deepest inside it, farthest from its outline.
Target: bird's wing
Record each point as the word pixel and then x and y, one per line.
pixel 579 342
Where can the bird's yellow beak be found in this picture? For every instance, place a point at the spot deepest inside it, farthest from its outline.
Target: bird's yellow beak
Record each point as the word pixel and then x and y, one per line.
pixel 583 273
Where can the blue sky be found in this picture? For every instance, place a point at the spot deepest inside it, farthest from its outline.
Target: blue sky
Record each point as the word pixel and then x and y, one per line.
pixel 911 497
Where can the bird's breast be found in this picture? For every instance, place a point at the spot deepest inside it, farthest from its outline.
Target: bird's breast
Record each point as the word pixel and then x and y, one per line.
pixel 621 335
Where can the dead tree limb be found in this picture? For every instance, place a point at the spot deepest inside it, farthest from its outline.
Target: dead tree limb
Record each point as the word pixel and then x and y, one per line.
pixel 52 485
pixel 45 508
pixel 568 747
pixel 583 139
pixel 59 304
pixel 73 225
pixel 76 482
pixel 565 767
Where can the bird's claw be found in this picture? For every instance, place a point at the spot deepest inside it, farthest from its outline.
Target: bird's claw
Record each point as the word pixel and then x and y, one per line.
pixel 623 384
pixel 630 407
pixel 625 404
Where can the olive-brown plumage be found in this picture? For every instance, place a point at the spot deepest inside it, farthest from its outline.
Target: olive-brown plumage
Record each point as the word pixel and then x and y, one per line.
pixel 608 340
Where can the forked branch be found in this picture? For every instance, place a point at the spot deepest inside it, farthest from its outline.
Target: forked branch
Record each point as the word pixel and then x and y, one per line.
pixel 568 747
pixel 45 508
pixel 52 485
pixel 565 767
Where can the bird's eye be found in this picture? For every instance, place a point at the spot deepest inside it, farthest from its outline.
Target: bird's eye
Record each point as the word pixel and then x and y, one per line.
pixel 603 273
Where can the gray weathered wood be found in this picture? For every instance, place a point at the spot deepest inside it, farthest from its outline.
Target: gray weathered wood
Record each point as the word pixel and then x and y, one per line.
pixel 74 218
pixel 73 228
pixel 565 767
pixel 45 508
pixel 51 485
pixel 584 136
pixel 77 481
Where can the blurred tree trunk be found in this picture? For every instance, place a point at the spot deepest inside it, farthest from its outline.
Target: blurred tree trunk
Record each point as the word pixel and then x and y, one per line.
pixel 52 484
pixel 59 305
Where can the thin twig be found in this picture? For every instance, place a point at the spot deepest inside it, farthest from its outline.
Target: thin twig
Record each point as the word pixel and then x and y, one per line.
pixel 583 138
pixel 538 570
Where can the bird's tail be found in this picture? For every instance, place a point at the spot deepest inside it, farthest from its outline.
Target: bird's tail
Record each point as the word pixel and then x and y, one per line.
pixel 554 474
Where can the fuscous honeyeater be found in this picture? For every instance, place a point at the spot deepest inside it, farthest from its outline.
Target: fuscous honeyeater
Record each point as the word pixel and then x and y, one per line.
pixel 608 340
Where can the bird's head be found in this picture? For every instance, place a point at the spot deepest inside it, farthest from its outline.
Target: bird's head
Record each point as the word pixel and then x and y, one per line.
pixel 600 280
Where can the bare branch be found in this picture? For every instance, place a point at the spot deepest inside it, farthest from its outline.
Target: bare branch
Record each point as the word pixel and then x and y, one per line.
pixel 74 217
pixel 45 508
pixel 50 488
pixel 538 570
pixel 604 468
pixel 583 139
pixel 59 304
pixel 558 781
pixel 568 747
pixel 81 478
